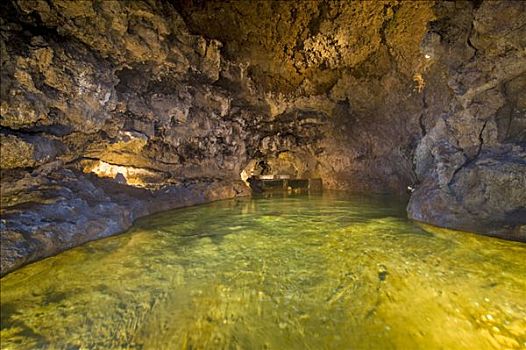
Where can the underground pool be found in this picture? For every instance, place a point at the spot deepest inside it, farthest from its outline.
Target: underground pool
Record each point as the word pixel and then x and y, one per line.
pixel 327 271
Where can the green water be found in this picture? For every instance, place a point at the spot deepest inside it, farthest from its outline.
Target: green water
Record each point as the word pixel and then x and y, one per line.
pixel 306 272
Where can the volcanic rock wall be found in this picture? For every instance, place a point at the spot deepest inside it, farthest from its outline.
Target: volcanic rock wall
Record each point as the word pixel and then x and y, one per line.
pixel 357 62
pixel 111 110
pixel 421 94
pixel 108 113
pixel 471 163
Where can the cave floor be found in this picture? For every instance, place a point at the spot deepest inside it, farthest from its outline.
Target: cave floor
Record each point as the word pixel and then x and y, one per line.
pixel 277 272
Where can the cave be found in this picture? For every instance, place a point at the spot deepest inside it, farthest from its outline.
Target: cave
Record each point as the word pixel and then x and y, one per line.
pixel 260 174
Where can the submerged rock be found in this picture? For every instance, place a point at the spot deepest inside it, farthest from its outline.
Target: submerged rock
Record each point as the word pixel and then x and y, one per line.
pixel 156 94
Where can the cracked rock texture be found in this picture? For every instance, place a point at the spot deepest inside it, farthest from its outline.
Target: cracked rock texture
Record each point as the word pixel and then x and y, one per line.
pixel 471 163
pixel 111 110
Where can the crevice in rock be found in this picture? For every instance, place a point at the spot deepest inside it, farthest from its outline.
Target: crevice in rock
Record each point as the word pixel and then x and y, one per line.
pixel 470 160
pixel 469 42
pixel 315 22
pixel 423 114
pixel 119 164
pixel 383 29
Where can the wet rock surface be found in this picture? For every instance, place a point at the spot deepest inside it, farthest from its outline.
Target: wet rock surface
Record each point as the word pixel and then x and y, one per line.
pixel 106 104
pixel 471 163
pixel 50 211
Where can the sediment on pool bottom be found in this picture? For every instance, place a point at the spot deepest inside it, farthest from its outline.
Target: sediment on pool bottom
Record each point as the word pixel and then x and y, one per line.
pixel 280 272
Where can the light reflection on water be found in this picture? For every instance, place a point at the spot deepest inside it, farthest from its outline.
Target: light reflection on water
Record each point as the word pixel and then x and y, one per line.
pixel 304 272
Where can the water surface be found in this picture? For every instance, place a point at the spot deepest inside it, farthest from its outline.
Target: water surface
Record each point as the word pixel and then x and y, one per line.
pixel 304 272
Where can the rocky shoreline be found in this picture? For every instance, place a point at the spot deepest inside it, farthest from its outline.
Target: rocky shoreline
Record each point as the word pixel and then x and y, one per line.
pixel 68 208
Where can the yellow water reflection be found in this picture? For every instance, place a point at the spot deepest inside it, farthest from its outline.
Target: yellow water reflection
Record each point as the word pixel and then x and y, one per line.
pixel 318 272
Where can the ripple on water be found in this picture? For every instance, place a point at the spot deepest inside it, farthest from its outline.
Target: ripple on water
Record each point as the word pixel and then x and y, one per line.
pixel 306 272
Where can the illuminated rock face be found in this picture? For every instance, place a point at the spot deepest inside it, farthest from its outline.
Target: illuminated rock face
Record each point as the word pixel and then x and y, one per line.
pixel 113 110
pixel 471 162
